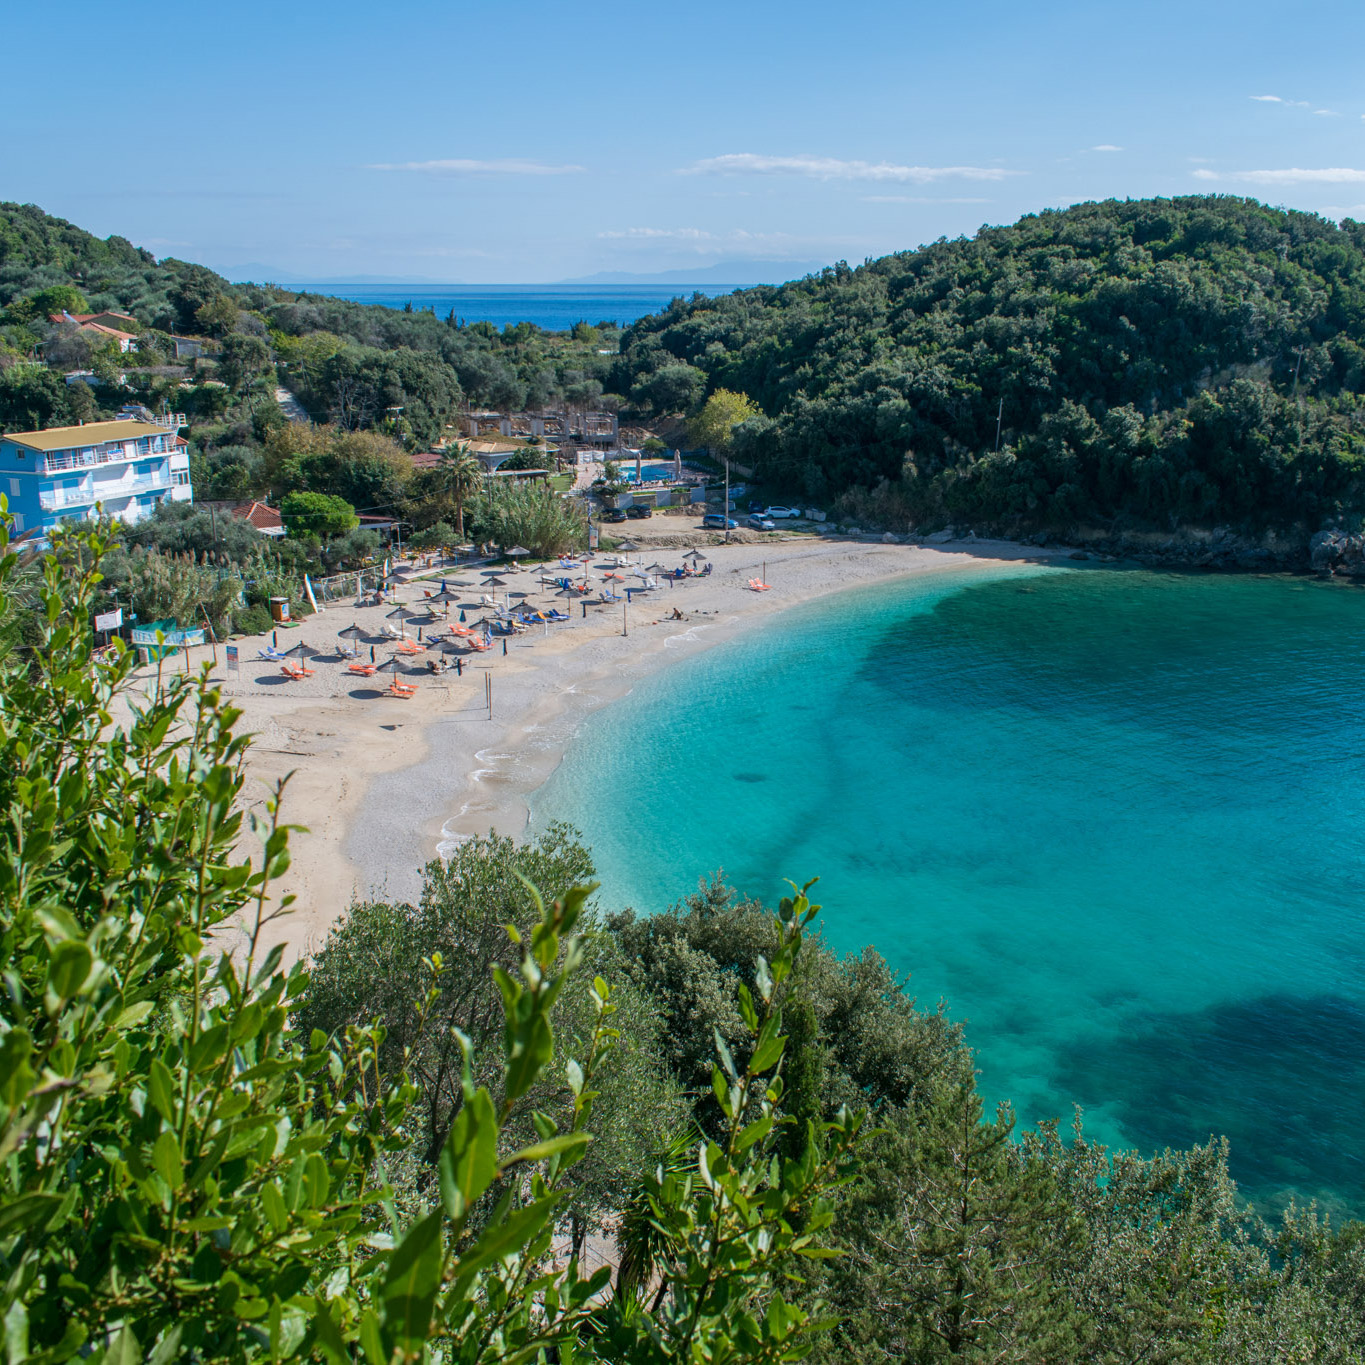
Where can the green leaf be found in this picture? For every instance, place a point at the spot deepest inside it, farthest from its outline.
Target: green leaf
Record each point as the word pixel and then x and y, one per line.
pixel 161 1089
pixel 27 1210
pixel 504 1238
pixel 371 1340
pixel 69 967
pixel 410 1286
pixel 538 1151
pixel 329 1337
pixel 469 1159
pixel 16 1332
pixel 767 1053
pixel 166 1159
pixel 123 1350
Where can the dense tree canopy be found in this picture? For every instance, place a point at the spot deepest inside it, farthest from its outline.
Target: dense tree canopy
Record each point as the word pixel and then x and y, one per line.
pixel 1193 359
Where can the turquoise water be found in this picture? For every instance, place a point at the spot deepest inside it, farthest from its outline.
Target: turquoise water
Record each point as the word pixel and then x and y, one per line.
pixel 1113 818
pixel 555 307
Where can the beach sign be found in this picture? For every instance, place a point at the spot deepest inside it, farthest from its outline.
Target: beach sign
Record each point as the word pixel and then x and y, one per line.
pixel 594 535
pixel 232 664
pixel 109 620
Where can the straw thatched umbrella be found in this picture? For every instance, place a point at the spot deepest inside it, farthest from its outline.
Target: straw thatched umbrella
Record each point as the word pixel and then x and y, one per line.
pixel 694 554
pixel 402 612
pixel 354 634
pixel 517 552
pixel 628 547
pixel 443 599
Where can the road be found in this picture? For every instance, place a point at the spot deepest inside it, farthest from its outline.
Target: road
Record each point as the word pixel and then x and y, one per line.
pixel 290 406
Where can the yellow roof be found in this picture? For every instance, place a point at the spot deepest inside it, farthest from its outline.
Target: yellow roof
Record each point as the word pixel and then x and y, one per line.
pixel 91 434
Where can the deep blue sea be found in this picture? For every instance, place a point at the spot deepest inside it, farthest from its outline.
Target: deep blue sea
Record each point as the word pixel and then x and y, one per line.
pixel 555 307
pixel 1116 819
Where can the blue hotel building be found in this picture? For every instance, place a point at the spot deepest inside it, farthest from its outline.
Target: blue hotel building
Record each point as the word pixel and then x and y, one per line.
pixel 125 468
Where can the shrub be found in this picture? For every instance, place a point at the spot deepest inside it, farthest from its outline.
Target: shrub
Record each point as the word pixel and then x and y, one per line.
pixel 252 620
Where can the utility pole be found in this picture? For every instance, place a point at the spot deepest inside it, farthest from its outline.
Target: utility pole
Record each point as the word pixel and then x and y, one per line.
pixel 999 418
pixel 725 510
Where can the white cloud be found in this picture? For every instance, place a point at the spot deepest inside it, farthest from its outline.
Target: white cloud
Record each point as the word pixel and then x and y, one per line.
pixel 1293 175
pixel 920 199
pixel 642 234
pixel 1268 99
pixel 1288 104
pixel 1106 147
pixel 1326 113
pixel 462 166
pixel 831 168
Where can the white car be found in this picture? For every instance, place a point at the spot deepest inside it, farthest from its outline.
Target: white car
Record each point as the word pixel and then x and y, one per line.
pixel 758 522
pixel 781 512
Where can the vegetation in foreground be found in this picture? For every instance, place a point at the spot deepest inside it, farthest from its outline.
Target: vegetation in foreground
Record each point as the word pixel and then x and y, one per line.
pixel 400 1151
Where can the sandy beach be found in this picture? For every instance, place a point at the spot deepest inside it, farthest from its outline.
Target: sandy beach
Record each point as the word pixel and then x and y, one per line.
pixel 384 784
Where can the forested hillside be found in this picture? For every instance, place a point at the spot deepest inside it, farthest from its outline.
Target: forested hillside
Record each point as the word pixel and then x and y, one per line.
pixel 1157 362
pixel 1145 364
pixel 356 366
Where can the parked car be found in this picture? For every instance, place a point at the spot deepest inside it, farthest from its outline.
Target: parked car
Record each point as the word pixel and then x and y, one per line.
pixel 614 514
pixel 757 522
pixel 778 513
pixel 639 512
pixel 713 521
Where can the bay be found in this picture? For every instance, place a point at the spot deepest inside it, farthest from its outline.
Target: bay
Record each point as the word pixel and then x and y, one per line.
pixel 1112 818
pixel 552 307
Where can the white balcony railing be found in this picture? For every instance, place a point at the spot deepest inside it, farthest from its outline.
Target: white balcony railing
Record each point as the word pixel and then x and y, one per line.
pixel 115 453
pixel 54 499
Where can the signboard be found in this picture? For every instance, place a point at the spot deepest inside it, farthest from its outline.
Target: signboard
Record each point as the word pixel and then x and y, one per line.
pixel 110 620
pixel 594 536
pixel 232 664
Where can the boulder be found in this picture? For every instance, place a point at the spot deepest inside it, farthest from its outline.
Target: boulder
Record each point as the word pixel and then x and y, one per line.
pixel 939 537
pixel 890 538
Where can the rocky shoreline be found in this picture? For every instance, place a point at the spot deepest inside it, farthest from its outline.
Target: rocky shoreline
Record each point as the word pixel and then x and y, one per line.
pixel 1332 552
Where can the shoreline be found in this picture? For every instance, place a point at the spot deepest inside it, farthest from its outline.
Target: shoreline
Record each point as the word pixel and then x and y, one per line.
pixel 383 786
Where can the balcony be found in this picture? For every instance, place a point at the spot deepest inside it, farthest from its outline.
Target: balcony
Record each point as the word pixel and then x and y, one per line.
pixel 55 499
pixel 114 452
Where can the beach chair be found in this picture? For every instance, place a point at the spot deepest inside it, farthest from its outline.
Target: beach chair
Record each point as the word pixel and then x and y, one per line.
pixel 363 670
pixel 400 689
pixel 410 647
pixel 758 585
pixel 558 616
pixel 391 632
pixel 481 645
pixel 269 652
pixel 293 672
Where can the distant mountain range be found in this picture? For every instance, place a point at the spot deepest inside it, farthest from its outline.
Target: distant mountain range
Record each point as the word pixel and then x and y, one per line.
pixel 723 272
pixel 736 273
pixel 257 272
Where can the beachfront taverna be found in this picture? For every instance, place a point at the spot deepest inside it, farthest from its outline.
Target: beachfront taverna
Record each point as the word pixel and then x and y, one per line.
pixel 66 474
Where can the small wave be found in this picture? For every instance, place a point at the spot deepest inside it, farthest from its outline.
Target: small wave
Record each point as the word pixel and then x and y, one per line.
pixel 689 636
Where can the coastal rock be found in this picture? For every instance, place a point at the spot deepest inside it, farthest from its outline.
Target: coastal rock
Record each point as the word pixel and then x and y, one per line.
pixel 890 538
pixel 939 537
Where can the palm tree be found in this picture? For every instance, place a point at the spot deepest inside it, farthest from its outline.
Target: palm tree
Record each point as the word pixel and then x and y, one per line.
pixel 461 475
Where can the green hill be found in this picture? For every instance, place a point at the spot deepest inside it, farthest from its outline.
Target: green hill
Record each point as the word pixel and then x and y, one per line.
pixel 1150 363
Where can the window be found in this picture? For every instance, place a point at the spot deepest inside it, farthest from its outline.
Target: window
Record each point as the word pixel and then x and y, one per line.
pixel 18 523
pixel 14 488
pixel 182 478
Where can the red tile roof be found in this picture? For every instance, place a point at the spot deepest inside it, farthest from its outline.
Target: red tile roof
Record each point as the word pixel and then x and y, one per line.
pixel 261 515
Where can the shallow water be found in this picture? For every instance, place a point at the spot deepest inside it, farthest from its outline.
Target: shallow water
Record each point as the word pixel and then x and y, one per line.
pixel 1112 817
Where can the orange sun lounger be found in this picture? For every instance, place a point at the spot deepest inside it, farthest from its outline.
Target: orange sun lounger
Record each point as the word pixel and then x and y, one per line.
pixel 405 690
pixel 363 670
pixel 295 671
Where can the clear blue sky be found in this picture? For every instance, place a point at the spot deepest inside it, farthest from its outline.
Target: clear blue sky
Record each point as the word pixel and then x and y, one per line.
pixel 531 141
